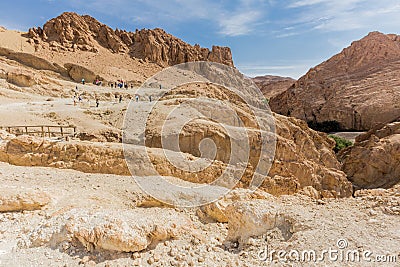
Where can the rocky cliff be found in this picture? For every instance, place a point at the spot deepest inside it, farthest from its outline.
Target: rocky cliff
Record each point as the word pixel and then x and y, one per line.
pixel 71 32
pixel 355 89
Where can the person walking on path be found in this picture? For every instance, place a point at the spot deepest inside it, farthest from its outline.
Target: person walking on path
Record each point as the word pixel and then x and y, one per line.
pixel 120 98
pixel 97 103
pixel 137 98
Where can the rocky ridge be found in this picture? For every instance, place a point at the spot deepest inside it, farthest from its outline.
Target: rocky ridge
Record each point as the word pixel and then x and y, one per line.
pixel 304 160
pixel 71 32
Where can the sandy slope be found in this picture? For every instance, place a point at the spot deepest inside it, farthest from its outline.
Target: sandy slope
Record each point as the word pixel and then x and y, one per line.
pixel 14 40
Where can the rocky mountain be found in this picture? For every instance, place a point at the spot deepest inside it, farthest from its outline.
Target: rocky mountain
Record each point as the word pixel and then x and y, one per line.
pixel 71 32
pixel 271 85
pixel 355 89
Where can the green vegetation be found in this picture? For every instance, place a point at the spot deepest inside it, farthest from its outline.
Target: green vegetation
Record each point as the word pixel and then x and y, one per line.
pixel 341 142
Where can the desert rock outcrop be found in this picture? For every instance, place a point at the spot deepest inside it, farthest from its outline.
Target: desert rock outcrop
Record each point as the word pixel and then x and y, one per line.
pixel 70 32
pixel 217 210
pixel 254 218
pixel 374 160
pixel 303 157
pixel 123 231
pixel 20 199
pixel 355 89
pixel 77 73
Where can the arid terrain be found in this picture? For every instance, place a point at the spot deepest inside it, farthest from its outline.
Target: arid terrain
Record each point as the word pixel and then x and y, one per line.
pixel 79 199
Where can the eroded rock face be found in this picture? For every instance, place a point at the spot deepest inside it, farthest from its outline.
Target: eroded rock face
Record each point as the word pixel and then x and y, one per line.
pixel 254 218
pixel 123 231
pixel 77 73
pixel 70 31
pixel 374 160
pixel 303 157
pixel 218 210
pixel 271 86
pixel 30 60
pixel 355 89
pixel 14 199
pixel 21 79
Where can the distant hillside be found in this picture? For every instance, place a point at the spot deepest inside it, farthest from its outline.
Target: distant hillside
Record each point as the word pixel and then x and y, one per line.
pixel 271 86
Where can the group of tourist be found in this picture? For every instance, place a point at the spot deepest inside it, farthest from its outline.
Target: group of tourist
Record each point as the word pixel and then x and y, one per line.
pixel 120 84
pixel 78 98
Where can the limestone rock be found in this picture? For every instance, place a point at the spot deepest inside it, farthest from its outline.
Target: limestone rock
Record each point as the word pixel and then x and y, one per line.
pixel 303 157
pixel 30 60
pixel 354 90
pixel 254 218
pixel 4 135
pixel 374 160
pixel 21 79
pixel 77 73
pixel 217 210
pixel 158 46
pixel 71 31
pixel 14 199
pixel 123 231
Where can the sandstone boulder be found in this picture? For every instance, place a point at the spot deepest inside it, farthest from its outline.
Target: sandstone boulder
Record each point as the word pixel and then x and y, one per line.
pixel 354 90
pixel 254 218
pixel 77 73
pixel 14 199
pixel 121 231
pixel 30 60
pixel 374 160
pixel 21 79
pixel 217 210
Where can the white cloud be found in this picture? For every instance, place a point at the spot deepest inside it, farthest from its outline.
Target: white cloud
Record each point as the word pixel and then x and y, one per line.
pixel 345 15
pixel 306 3
pixel 239 23
pixel 232 18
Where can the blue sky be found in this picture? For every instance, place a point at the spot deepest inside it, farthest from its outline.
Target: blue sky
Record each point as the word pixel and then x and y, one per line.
pixel 266 36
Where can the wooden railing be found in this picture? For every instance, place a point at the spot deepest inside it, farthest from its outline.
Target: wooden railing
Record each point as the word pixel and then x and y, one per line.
pixel 41 130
